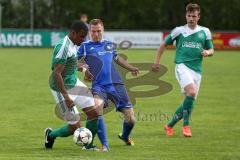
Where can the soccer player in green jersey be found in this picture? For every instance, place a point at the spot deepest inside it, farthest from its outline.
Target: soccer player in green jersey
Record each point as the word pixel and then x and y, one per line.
pixel 68 90
pixel 193 42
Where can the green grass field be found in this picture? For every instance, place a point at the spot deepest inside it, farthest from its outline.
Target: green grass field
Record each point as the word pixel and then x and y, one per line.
pixel 27 108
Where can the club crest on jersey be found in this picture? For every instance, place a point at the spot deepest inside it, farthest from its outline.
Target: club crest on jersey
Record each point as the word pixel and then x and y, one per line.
pixel 200 35
pixel 109 47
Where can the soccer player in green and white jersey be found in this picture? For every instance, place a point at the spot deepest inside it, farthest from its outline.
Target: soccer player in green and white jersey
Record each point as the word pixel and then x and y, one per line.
pixel 193 42
pixel 68 90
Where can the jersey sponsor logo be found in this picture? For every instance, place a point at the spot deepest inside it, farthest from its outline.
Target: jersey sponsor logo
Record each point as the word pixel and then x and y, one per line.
pixel 187 44
pixel 103 53
pixel 91 48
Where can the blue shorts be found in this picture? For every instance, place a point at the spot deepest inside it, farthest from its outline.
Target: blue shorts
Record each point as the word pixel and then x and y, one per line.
pixel 114 92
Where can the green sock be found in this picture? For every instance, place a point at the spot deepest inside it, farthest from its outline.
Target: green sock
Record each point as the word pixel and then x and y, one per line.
pixel 92 125
pixel 187 109
pixel 60 132
pixel 178 115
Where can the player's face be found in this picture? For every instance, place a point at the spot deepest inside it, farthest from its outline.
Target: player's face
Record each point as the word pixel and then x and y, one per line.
pixel 192 19
pixel 96 32
pixel 79 37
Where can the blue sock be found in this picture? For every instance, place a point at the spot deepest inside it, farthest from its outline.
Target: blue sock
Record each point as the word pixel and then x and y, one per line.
pixel 102 131
pixel 127 128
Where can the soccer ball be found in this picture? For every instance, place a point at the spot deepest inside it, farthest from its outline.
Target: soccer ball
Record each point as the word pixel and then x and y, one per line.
pixel 82 136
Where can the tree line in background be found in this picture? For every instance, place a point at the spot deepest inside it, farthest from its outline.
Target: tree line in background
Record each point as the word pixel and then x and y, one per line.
pixel 120 14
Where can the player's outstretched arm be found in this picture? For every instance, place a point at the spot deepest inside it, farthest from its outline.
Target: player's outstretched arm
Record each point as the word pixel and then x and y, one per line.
pixel 123 63
pixel 160 51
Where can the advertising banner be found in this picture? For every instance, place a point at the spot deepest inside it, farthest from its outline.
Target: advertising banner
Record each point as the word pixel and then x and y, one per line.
pixel 137 39
pixel 226 40
pixel 43 38
pixel 17 38
pixel 28 39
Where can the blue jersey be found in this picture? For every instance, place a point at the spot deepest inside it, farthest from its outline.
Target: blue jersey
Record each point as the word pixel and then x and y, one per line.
pixel 99 56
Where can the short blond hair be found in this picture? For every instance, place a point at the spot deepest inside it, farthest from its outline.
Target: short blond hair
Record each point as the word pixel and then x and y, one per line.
pixel 95 22
pixel 192 7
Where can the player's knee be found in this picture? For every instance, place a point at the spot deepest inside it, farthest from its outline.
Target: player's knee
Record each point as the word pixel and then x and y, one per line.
pixel 99 110
pixel 73 127
pixel 72 118
pixel 130 118
pixel 190 90
pixel 192 93
pixel 99 103
pixel 91 113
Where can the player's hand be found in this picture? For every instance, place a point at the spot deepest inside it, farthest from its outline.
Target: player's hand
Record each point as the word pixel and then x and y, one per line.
pixel 82 65
pixel 205 53
pixel 155 67
pixel 69 102
pixel 88 76
pixel 135 71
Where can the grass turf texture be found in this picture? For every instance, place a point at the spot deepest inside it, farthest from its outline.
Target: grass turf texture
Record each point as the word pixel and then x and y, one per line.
pixel 27 107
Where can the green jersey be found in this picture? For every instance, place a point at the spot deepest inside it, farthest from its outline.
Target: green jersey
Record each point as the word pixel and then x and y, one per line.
pixel 65 52
pixel 189 45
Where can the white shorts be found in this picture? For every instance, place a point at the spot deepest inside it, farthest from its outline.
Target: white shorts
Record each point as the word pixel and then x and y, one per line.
pixel 186 76
pixel 82 98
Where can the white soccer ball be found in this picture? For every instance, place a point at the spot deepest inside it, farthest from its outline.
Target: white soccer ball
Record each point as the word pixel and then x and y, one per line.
pixel 82 136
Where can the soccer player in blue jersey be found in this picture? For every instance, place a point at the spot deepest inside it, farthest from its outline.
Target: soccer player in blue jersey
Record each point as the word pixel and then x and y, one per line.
pixel 100 55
